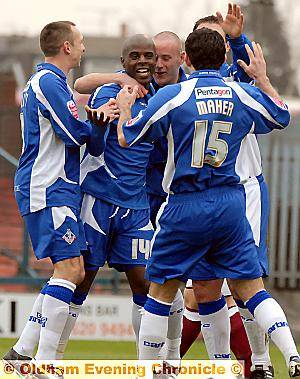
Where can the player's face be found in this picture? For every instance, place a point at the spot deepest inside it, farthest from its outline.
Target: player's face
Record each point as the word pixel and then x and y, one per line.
pixel 169 59
pixel 77 48
pixel 139 63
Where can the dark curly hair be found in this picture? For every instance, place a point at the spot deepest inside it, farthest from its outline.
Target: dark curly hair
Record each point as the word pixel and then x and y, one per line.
pixel 205 49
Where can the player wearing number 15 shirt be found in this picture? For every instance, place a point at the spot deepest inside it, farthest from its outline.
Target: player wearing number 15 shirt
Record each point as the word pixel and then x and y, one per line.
pixel 205 121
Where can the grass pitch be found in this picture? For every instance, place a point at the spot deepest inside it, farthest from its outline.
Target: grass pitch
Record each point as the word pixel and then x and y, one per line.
pixel 126 350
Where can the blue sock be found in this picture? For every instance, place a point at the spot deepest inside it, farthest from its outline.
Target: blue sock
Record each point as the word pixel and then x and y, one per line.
pixel 156 307
pixel 78 297
pixel 211 306
pixel 255 300
pixel 240 303
pixel 139 299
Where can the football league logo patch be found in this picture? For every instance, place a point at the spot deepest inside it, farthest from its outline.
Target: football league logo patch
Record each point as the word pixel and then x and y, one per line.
pixel 69 237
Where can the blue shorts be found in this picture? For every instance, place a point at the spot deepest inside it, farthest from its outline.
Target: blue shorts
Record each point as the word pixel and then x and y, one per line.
pixel 119 236
pixel 155 202
pixel 210 224
pixel 257 213
pixel 56 232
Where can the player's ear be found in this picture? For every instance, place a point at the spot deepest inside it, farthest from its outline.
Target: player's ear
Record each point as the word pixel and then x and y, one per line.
pixel 227 47
pixel 122 61
pixel 182 56
pixel 188 61
pixel 66 47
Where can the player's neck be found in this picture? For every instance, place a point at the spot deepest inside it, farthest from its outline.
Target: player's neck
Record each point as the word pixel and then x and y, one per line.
pixel 59 63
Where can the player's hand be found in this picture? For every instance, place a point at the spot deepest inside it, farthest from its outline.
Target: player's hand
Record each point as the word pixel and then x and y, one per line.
pixel 126 97
pixel 104 114
pixel 234 21
pixel 257 68
pixel 126 80
pixel 95 118
pixel 110 109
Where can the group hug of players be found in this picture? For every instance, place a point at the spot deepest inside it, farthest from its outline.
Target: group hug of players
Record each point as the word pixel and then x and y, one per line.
pixel 169 190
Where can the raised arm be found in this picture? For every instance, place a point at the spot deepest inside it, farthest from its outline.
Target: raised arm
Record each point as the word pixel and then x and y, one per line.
pixel 233 25
pixel 88 83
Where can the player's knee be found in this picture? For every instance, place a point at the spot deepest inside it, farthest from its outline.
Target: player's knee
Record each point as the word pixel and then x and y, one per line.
pixel 87 281
pixel 137 281
pixel 207 291
pixel 189 299
pixel 141 287
pixel 75 275
pixel 69 269
pixel 80 277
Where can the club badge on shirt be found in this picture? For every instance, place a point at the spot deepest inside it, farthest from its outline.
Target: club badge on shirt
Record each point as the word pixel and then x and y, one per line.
pixel 73 108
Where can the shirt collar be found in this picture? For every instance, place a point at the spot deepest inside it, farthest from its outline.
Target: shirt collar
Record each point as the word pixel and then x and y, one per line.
pixel 51 67
pixel 205 73
pixel 182 75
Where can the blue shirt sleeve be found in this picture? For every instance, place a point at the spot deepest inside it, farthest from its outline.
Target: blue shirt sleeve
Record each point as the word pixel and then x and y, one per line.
pixel 154 122
pixel 58 106
pixel 101 95
pixel 237 46
pixel 267 113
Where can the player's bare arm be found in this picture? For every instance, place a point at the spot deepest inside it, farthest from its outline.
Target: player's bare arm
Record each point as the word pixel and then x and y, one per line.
pixel 88 83
pixel 233 23
pixel 257 70
pixel 125 99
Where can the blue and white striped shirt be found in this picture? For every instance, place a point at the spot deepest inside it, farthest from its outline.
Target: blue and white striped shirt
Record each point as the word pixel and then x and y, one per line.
pixel 48 172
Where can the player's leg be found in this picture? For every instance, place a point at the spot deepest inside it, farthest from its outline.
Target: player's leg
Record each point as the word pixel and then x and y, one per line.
pixel 214 317
pixel 129 252
pixel 76 303
pixel 54 233
pixel 231 239
pixel 191 325
pixel 174 254
pixel 257 212
pixel 154 324
pixel 94 215
pixel 29 338
pixel 55 308
pixel 139 288
pixel 271 318
pixel 239 343
pixel 171 349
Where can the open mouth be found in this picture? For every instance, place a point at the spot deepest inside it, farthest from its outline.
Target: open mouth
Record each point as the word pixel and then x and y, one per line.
pixel 143 71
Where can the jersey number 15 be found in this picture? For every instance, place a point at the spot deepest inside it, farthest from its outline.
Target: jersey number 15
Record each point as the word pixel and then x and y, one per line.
pixel 214 143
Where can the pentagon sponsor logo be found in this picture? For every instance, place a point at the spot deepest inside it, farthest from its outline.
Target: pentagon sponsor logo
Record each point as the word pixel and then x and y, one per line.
pixel 213 92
